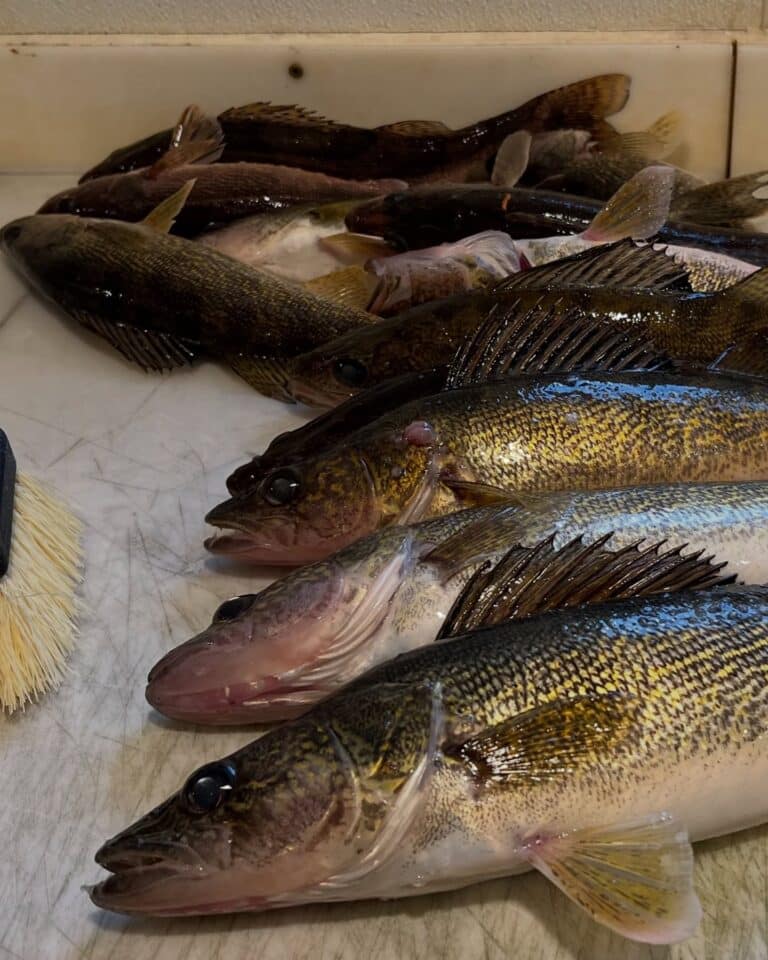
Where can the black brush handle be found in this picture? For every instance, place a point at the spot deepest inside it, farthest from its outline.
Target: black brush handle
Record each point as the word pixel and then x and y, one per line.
pixel 7 489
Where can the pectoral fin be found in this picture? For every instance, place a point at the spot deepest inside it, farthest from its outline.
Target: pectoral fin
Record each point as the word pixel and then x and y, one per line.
pixel 512 159
pixel 639 209
pixel 552 740
pixel 636 878
pixel 475 494
pixel 351 287
pixel 163 217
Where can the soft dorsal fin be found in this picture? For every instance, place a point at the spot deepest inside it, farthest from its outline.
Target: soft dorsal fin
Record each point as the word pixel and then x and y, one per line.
pixel 416 128
pixel 512 159
pixel 753 289
pixel 532 580
pixel 196 138
pixel 163 217
pixel 544 337
pixel 623 265
pixel 638 209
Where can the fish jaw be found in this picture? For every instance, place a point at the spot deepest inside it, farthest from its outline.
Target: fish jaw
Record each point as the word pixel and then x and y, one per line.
pixel 335 503
pixel 300 639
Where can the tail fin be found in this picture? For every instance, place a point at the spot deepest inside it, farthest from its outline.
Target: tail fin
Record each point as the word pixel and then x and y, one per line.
pixel 578 105
pixel 655 143
pixel 196 138
pixel 725 202
pixel 638 210
pixel 512 159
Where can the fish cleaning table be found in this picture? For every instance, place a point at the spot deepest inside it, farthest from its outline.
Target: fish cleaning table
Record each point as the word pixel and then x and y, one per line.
pixel 141 458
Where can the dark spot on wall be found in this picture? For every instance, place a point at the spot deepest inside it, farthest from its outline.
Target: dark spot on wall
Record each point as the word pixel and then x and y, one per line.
pixel 296 71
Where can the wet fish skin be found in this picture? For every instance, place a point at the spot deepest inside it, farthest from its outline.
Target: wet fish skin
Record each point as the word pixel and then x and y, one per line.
pixel 417 340
pixel 411 742
pixel 431 215
pixel 268 133
pixel 520 435
pixel 130 274
pixel 222 192
pixel 305 635
pixel 687 328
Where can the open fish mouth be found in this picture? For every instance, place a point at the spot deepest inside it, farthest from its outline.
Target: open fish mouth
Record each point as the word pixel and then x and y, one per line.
pixel 272 543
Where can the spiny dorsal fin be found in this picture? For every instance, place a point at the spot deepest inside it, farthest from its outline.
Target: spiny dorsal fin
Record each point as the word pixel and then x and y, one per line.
pixel 263 111
pixel 638 209
pixel 753 288
pixel 163 217
pixel 512 159
pixel 724 202
pixel 532 580
pixel 147 348
pixel 196 138
pixel 548 336
pixel 624 265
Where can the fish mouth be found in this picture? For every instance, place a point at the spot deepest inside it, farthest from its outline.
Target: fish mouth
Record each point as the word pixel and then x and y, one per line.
pixel 178 688
pixel 317 396
pixel 273 544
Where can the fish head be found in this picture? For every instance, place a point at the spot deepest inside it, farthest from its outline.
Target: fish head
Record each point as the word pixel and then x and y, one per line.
pixel 384 474
pixel 303 813
pixel 101 197
pixel 409 220
pixel 270 656
pixel 72 260
pixel 351 363
pixel 41 247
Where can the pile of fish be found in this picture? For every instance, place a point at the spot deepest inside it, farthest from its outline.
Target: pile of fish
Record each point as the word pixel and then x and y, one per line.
pixel 540 349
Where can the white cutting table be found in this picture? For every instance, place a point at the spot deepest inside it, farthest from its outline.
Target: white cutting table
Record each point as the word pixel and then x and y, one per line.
pixel 141 458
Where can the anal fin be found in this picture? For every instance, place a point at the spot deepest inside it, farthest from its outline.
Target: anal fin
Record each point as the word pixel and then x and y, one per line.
pixel 636 878
pixel 149 349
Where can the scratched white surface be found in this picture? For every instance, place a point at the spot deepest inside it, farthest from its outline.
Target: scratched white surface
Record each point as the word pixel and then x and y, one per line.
pixel 140 458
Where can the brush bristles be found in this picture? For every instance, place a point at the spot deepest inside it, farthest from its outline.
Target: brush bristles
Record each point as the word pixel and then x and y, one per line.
pixel 37 595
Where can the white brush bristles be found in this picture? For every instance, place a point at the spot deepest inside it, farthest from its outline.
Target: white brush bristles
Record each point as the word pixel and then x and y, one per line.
pixel 37 596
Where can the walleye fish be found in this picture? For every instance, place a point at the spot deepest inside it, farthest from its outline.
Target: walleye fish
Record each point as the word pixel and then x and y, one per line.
pixel 162 300
pixel 221 192
pixel 593 744
pixel 270 656
pixel 413 149
pixel 638 210
pixel 291 243
pixel 435 214
pixel 728 328
pixel 478 444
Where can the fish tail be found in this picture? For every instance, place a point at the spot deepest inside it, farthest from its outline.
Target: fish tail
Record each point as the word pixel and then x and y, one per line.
pixel 725 202
pixel 637 210
pixel 578 105
pixel 655 143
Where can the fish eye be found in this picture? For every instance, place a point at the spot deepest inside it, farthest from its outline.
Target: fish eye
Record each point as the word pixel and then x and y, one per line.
pixel 231 609
pixel 281 487
pixel 207 788
pixel 350 372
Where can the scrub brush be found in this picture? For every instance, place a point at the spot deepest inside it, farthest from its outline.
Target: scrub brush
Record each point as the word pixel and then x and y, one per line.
pixel 40 560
